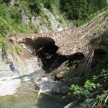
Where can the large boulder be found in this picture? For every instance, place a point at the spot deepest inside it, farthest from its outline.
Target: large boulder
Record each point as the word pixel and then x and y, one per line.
pixel 49 86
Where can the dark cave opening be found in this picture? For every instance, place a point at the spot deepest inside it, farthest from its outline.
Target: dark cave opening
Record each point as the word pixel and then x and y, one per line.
pixel 47 54
pixel 46 51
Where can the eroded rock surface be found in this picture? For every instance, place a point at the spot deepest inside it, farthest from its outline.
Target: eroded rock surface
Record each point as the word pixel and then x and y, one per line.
pixel 49 86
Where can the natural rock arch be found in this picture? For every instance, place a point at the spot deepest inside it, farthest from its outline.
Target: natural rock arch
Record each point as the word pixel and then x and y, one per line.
pixel 46 49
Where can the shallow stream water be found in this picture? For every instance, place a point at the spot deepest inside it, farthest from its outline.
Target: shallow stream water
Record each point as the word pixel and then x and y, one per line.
pixel 27 97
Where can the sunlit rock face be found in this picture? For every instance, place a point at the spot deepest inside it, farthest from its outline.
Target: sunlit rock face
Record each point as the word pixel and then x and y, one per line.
pixel 8 86
pixel 12 67
pixel 17 64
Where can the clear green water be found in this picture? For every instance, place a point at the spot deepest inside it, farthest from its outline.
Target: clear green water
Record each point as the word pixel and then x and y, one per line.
pixel 27 97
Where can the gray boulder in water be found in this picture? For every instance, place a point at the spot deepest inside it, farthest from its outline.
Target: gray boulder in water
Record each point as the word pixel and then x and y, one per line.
pixel 49 86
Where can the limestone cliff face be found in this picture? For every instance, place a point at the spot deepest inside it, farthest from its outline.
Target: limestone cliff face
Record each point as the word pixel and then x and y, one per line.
pixel 43 24
pixel 50 21
pixel 15 65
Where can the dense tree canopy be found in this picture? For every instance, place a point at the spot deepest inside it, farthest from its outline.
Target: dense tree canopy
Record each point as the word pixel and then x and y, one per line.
pixel 73 9
pixel 81 9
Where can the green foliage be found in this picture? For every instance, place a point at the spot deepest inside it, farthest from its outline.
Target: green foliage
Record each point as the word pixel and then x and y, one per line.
pixel 102 78
pixel 15 15
pixel 94 91
pixel 11 17
pixel 5 26
pixel 84 90
pixel 80 10
pixel 77 10
pixel 35 6
pixel 101 101
pixel 10 21
pixel 18 49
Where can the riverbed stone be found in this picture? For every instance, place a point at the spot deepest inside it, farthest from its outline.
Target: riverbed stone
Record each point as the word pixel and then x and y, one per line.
pixel 49 86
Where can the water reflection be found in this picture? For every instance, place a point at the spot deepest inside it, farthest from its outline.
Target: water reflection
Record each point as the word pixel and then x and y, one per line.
pixel 45 101
pixel 27 97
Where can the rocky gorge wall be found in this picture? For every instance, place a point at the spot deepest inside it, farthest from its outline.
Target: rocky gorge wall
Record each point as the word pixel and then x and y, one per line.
pixel 17 65
pixel 68 41
pixel 13 67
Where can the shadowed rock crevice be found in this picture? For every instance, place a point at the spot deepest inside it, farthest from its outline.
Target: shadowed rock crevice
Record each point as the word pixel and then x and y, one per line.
pixel 46 51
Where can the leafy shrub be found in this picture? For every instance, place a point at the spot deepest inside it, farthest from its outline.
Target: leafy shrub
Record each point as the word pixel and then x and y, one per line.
pixel 84 90
pixel 35 6
pixel 94 92
pixel 15 15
